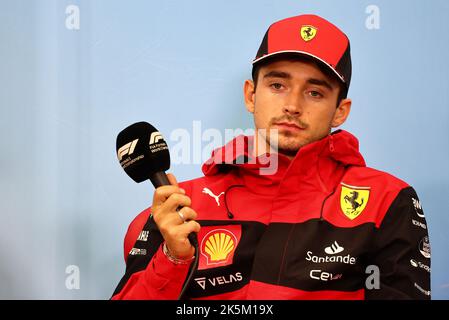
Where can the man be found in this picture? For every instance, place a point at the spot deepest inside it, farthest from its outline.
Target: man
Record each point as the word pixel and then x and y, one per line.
pixel 321 226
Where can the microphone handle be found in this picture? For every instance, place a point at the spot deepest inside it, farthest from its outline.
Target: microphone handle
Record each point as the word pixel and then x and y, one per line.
pixel 159 179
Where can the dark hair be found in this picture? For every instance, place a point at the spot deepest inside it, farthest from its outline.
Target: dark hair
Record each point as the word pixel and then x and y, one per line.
pixel 343 90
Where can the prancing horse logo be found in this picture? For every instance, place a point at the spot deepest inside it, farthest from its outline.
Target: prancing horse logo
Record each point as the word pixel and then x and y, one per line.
pixel 353 200
pixel 308 32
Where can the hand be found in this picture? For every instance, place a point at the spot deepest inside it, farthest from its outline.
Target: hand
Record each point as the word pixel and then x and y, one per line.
pixel 174 229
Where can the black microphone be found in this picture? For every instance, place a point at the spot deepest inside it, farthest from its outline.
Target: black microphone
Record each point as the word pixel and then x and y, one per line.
pixel 143 154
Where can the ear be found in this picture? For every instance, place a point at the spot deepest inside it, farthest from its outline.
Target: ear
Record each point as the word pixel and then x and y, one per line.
pixel 342 113
pixel 250 95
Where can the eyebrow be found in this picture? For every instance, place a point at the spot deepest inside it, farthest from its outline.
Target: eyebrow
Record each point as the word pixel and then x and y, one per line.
pixel 277 74
pixel 319 82
pixel 288 76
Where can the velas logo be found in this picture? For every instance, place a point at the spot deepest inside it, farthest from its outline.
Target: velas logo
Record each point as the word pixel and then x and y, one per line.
pixel 308 32
pixel 353 200
pixel 218 245
pixel 219 281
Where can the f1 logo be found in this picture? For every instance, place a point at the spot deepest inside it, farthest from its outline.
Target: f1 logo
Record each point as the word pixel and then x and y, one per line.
pixel 126 149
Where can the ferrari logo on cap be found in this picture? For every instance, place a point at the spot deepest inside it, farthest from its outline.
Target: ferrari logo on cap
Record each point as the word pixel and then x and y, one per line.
pixel 308 32
pixel 353 200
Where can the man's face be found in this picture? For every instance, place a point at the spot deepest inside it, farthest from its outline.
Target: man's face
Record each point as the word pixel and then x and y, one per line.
pixel 298 100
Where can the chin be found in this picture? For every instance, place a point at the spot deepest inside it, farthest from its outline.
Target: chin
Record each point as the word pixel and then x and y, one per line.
pixel 293 140
pixel 290 145
pixel 288 142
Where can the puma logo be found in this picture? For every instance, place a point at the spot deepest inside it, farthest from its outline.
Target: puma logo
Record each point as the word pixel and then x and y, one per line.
pixel 207 191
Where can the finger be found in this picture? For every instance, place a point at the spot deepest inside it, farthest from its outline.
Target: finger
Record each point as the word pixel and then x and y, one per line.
pixel 172 179
pixel 188 213
pixel 183 215
pixel 176 235
pixel 162 193
pixel 174 201
pixel 181 232
pixel 186 228
pixel 168 221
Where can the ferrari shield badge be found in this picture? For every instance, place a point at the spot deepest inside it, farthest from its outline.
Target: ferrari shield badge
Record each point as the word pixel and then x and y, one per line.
pixel 353 200
pixel 308 32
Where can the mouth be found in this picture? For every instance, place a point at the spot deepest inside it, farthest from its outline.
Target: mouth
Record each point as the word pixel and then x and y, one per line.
pixel 290 126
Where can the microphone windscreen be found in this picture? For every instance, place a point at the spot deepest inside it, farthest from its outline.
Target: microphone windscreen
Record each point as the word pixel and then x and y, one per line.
pixel 142 151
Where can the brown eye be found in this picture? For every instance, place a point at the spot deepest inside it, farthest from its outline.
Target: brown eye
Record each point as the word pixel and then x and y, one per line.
pixel 315 94
pixel 276 86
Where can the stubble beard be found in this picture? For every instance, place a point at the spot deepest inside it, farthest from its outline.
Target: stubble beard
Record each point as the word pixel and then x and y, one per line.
pixel 288 143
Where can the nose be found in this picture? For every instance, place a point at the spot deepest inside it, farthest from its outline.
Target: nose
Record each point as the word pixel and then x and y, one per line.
pixel 293 104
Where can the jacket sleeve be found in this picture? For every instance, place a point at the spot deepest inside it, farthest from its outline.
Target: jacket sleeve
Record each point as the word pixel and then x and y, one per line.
pixel 149 274
pixel 401 252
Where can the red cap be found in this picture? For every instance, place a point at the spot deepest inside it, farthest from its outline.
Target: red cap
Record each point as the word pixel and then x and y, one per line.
pixel 312 36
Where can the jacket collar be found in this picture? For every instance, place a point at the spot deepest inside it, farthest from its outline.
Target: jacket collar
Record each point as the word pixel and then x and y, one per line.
pixel 317 166
pixel 340 146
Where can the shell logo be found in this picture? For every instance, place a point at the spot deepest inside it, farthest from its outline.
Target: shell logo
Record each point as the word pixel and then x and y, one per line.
pixel 218 246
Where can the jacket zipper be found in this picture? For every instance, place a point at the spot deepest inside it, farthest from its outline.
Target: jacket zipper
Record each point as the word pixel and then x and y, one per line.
pixel 331 148
pixel 322 205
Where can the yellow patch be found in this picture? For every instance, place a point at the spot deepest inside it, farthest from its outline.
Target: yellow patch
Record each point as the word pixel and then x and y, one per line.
pixel 308 32
pixel 353 200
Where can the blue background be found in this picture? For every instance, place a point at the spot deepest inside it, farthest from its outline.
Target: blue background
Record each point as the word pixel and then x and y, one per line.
pixel 65 94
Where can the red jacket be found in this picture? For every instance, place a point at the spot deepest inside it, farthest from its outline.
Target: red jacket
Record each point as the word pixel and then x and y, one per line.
pixel 323 226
